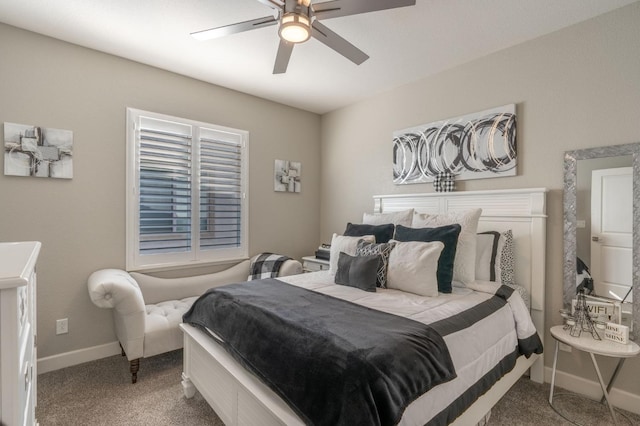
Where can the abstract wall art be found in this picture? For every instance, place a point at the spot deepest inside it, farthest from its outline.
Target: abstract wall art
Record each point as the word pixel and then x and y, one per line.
pixel 473 146
pixel 287 176
pixel 37 151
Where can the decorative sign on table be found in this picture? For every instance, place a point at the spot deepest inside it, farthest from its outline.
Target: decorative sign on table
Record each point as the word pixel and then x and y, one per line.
pixel 602 311
pixel 473 146
pixel 617 333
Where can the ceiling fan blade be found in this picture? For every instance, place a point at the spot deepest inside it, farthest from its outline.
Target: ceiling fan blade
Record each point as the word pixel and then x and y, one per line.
pixel 337 43
pixel 336 8
pixel 282 58
pixel 235 28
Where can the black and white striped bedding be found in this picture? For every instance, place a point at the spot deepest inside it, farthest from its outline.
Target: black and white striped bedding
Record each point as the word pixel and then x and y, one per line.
pixel 485 335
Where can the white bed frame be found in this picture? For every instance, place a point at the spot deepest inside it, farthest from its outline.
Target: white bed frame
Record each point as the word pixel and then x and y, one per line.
pixel 240 398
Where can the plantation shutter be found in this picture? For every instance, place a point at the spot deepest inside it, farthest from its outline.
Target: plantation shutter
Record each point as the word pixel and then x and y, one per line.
pixel 165 186
pixel 187 201
pixel 220 189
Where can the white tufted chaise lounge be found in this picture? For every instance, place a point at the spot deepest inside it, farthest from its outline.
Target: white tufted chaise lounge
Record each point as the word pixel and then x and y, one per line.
pixel 147 310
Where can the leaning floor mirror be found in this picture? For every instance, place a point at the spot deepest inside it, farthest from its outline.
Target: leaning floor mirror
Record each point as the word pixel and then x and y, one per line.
pixel 602 227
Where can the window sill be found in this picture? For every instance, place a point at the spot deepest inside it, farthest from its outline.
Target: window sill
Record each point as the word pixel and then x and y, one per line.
pixel 181 266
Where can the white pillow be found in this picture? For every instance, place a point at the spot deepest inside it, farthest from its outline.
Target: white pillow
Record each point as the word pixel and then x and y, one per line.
pixel 345 244
pixel 488 254
pixel 413 267
pixel 494 257
pixel 403 218
pixel 464 265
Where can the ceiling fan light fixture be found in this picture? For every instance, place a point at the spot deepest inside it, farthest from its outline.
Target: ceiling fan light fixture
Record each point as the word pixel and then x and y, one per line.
pixel 295 27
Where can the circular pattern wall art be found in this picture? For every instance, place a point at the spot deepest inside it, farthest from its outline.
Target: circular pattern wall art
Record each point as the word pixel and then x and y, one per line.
pixel 474 146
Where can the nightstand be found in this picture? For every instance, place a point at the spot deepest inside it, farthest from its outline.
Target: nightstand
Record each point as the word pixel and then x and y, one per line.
pixel 587 343
pixel 313 264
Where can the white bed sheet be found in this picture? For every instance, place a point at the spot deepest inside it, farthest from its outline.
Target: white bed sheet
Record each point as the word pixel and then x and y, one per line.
pixel 474 350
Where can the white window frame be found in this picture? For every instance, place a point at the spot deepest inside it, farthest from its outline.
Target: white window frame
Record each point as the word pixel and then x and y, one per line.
pixel 195 257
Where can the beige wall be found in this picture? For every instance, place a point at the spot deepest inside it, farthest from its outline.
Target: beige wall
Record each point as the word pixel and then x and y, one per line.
pixel 576 88
pixel 81 222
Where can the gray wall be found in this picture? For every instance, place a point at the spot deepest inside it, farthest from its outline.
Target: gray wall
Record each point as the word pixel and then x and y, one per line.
pixel 81 222
pixel 576 88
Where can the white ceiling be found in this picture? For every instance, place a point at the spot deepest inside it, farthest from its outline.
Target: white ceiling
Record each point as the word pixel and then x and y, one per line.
pixel 404 44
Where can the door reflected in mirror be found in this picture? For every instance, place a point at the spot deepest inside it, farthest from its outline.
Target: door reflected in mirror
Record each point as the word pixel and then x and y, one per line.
pixel 604 225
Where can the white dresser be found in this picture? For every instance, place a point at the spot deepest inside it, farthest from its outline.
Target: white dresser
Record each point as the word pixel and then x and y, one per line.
pixel 18 333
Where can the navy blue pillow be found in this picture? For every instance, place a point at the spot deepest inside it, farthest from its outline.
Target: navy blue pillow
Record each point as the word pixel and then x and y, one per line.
pixel 383 233
pixel 448 235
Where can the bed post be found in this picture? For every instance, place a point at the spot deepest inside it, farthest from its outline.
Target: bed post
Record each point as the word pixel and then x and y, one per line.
pixel 538 273
pixel 188 388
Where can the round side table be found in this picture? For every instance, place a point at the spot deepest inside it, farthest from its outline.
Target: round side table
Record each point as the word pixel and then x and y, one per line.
pixel 587 343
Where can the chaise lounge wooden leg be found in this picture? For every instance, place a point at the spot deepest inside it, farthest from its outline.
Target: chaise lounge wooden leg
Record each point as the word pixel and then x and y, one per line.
pixel 134 365
pixel 122 350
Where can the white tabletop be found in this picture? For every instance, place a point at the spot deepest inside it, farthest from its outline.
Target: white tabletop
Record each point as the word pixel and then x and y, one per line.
pixel 16 260
pixel 587 343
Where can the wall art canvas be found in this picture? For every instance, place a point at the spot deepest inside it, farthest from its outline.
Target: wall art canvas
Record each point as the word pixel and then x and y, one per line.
pixel 287 176
pixel 473 146
pixel 37 151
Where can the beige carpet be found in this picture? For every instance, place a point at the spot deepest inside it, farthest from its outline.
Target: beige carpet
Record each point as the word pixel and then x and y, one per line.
pixel 100 393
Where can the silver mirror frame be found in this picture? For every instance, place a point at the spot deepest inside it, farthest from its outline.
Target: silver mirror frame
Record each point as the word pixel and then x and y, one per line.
pixel 569 200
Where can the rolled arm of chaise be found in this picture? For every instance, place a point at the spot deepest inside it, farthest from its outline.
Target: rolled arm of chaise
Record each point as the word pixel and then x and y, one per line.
pixel 115 288
pixel 290 267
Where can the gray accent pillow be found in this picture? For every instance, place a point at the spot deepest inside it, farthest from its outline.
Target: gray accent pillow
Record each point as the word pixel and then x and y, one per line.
pixel 357 271
pixel 365 248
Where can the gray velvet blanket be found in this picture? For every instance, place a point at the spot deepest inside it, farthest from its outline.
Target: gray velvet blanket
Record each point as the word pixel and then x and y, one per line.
pixel 332 361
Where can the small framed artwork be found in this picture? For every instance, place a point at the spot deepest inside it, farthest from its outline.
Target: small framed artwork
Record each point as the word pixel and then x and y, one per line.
pixel 286 176
pixel 37 151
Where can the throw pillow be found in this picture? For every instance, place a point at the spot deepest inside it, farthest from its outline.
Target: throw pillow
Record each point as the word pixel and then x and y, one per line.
pixel 488 253
pixel 448 235
pixel 464 266
pixel 346 244
pixel 383 233
pixel 403 217
pixel 507 260
pixel 357 271
pixel 382 250
pixel 413 267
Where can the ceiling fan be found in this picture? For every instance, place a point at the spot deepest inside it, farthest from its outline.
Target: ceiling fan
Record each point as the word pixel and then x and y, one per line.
pixel 300 19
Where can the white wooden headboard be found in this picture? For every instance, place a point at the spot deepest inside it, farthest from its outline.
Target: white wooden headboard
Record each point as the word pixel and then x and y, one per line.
pixel 521 210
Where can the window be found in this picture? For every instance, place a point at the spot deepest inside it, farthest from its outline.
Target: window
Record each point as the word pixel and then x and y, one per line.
pixel 187 197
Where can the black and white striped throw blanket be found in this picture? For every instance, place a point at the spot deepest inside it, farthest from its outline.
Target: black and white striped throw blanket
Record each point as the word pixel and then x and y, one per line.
pixel 266 265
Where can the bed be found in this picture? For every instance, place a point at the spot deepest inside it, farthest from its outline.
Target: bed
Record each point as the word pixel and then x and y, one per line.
pixel 240 398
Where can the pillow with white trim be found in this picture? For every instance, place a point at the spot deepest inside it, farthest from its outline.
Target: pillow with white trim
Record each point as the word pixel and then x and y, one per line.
pixel 403 217
pixel 488 253
pixel 464 266
pixel 495 257
pixel 413 267
pixel 346 244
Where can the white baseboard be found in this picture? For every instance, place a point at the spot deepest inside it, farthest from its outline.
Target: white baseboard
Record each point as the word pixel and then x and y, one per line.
pixel 591 389
pixel 68 359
